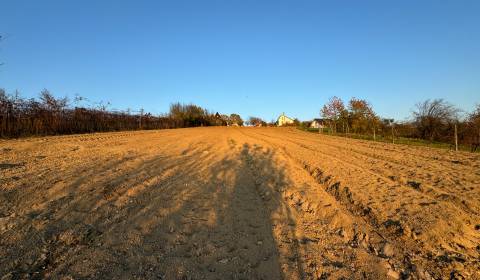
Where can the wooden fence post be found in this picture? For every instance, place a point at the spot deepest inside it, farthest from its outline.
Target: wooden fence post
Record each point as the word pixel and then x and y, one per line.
pixel 456 139
pixel 393 136
pixel 140 121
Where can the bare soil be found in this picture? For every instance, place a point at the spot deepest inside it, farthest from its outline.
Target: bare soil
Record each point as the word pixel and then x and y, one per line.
pixel 236 203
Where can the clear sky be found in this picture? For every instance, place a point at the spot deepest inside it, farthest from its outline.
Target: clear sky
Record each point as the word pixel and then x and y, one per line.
pixel 252 57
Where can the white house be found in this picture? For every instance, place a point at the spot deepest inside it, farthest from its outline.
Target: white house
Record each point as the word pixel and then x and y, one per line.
pixel 318 123
pixel 284 120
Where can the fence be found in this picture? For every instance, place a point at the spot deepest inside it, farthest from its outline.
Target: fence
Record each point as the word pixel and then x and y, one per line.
pixel 462 136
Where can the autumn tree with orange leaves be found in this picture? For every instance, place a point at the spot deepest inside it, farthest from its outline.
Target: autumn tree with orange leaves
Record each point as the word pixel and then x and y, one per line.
pixel 359 116
pixel 362 116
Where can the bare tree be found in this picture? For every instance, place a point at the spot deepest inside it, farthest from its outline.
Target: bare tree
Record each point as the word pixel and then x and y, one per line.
pixel 431 117
pixel 473 129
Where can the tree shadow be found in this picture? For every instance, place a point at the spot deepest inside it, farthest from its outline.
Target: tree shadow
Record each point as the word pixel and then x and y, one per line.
pixel 196 215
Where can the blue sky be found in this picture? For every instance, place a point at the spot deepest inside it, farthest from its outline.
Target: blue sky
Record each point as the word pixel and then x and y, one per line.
pixel 251 57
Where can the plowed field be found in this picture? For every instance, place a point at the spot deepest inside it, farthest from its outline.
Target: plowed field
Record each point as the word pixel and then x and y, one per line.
pixel 236 203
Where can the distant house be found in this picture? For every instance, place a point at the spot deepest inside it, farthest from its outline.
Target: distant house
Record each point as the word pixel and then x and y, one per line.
pixel 218 120
pixel 319 123
pixel 284 120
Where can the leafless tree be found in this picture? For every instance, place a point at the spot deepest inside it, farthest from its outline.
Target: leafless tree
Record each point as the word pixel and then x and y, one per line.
pixel 473 129
pixel 431 117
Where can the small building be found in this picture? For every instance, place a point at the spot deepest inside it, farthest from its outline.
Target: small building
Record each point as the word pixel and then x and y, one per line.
pixel 284 120
pixel 318 123
pixel 218 120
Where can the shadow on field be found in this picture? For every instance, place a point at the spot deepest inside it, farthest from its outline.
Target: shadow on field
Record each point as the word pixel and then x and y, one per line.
pixel 196 215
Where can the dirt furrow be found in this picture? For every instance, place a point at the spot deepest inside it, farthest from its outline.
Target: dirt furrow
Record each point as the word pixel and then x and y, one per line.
pixel 391 174
pixel 351 198
pixel 235 203
pixel 328 242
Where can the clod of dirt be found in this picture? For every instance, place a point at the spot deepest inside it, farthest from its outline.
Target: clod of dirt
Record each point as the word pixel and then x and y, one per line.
pixel 394 226
pixel 387 250
pixel 4 223
pixel 306 240
pixel 456 275
pixel 360 239
pixel 393 274
pixel 392 177
pixel 415 185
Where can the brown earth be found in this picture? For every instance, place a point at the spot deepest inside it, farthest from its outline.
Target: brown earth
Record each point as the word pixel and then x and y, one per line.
pixel 236 203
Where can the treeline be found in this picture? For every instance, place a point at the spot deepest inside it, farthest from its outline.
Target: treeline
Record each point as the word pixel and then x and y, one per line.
pixel 432 120
pixel 49 115
pixel 192 115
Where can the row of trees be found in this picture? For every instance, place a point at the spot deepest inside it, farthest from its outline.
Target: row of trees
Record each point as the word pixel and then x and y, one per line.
pixel 432 120
pixel 49 115
pixel 192 115
pixel 357 117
